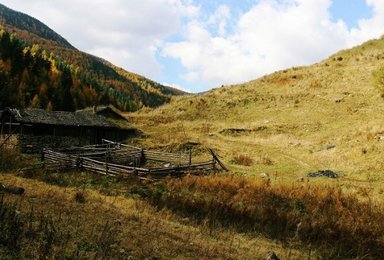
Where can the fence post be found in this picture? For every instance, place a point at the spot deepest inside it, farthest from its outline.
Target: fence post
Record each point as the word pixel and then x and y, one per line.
pixel 190 156
pixel 214 163
pixel 10 125
pixel 79 163
pixel 217 160
pixel 143 155
pixel 42 155
pixel 106 160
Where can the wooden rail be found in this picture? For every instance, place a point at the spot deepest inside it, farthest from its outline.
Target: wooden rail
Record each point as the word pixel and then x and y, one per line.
pixel 174 158
pixel 121 160
pixel 121 153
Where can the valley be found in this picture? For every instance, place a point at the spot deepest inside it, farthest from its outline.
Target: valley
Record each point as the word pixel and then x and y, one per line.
pixel 292 122
pixel 270 133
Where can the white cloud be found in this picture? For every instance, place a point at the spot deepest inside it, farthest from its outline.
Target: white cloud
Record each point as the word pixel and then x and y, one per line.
pixel 191 76
pixel 176 86
pixel 221 47
pixel 220 19
pixel 369 28
pixel 127 33
pixel 270 36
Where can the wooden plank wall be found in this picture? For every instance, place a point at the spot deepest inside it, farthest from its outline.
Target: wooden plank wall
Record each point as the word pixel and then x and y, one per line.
pixel 121 160
pixel 174 158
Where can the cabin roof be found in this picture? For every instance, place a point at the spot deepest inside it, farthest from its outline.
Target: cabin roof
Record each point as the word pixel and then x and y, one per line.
pixel 60 118
pixel 101 109
pixel 113 115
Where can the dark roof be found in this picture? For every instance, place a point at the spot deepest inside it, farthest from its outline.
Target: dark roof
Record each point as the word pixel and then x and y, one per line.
pixel 101 109
pixel 61 118
pixel 117 117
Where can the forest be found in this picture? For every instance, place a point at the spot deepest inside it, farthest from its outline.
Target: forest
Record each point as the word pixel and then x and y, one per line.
pixel 31 76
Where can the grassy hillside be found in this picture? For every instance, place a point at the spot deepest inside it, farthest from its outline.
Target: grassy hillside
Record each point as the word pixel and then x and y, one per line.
pixel 284 125
pixel 79 215
pixel 270 132
pixel 277 129
pixel 289 123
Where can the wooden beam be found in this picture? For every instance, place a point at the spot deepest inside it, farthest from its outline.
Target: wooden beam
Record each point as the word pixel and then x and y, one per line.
pixel 215 158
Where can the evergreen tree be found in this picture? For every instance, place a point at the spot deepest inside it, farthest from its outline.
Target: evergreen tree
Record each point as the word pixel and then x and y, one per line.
pixel 65 96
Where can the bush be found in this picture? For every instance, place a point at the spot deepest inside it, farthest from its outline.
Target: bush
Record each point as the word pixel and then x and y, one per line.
pixel 321 216
pixel 9 159
pixel 80 197
pixel 264 159
pixel 32 234
pixel 242 160
pixel 17 229
pixel 139 191
pixel 11 228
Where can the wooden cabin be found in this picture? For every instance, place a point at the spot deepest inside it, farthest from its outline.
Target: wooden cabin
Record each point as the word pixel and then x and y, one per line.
pixel 38 128
pixel 109 112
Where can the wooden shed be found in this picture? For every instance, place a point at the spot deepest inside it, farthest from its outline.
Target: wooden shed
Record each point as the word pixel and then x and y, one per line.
pixel 109 112
pixel 37 128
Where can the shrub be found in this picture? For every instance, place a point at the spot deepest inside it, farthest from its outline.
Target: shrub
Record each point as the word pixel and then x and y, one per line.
pixel 264 159
pixel 139 191
pixel 321 216
pixel 80 197
pixel 242 160
pixel 9 159
pixel 108 241
pixel 17 229
pixel 11 227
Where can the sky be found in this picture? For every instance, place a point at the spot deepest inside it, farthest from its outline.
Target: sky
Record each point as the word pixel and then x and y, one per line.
pixel 196 45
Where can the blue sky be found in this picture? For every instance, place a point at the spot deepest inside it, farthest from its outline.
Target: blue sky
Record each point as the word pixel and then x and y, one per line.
pixel 347 11
pixel 197 45
pixel 350 11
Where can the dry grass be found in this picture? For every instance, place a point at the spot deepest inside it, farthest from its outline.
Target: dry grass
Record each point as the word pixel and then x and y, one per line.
pixel 242 160
pixel 9 158
pixel 327 116
pixel 337 224
pixel 50 224
pixel 295 121
pixel 291 117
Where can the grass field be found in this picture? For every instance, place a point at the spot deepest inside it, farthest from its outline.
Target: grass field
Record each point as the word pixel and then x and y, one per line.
pixel 292 122
pixel 81 215
pixel 270 133
pixel 288 124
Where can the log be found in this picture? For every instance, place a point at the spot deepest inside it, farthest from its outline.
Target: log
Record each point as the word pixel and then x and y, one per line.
pixel 218 160
pixel 11 189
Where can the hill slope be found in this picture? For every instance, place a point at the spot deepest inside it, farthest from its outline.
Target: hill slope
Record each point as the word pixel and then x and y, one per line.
pixel 30 24
pixel 126 90
pixel 289 123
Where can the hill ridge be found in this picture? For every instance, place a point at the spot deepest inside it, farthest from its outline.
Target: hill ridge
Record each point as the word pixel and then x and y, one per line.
pixel 31 24
pixel 290 122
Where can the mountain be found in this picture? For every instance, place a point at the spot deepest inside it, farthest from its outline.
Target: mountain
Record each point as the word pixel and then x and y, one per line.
pixel 293 129
pixel 91 80
pixel 291 122
pixel 32 25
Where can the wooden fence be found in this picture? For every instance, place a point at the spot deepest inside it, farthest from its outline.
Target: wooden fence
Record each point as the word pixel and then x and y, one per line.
pixel 108 153
pixel 174 158
pixel 121 160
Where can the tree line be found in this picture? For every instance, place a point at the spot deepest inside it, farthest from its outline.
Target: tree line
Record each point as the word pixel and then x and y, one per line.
pixel 32 77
